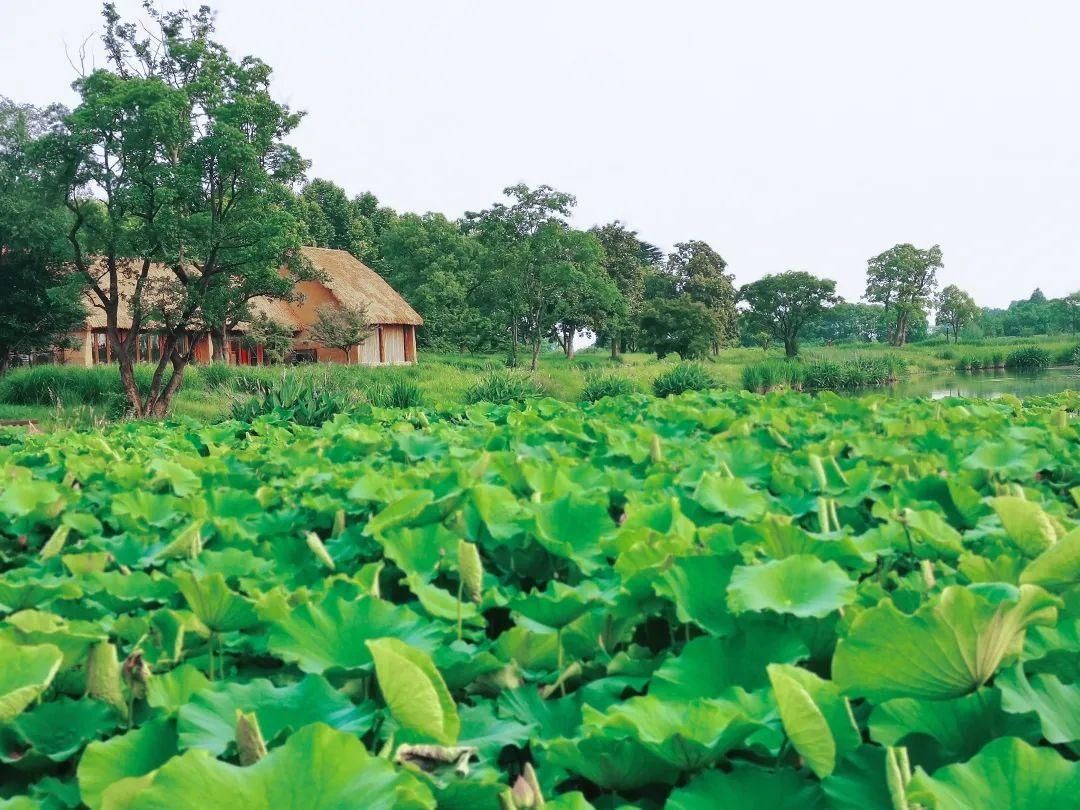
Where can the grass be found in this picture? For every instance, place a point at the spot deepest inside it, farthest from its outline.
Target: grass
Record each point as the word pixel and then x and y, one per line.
pixel 65 394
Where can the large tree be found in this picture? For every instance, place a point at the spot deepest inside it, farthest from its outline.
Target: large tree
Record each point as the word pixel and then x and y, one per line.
pixel 783 304
pixel 40 301
pixel 627 259
pixel 175 156
pixel 955 309
pixel 332 220
pixel 903 280
pixel 698 271
pixel 678 325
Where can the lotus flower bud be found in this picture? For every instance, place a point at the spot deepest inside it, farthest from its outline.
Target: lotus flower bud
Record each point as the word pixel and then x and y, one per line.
pixel 136 673
pixel 656 452
pixel 249 739
pixel 927 569
pixel 103 679
pixel 339 523
pixel 471 569
pixel 319 550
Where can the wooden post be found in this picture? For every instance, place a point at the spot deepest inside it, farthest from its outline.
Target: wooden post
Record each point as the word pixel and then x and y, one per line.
pixel 382 346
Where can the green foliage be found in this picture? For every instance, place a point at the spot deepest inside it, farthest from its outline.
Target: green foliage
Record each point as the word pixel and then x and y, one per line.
pixel 1028 358
pixel 605 384
pixel 683 377
pixel 398 393
pixel 782 305
pixel 678 325
pixel 500 386
pixel 903 280
pixel 713 598
pixel 860 371
pixel 293 398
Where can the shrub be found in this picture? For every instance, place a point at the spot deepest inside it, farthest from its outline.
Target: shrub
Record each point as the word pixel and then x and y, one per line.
pixel 823 374
pixel 599 385
pixel 769 375
pixel 293 398
pixel 688 376
pixel 399 393
pixel 501 386
pixel 1028 358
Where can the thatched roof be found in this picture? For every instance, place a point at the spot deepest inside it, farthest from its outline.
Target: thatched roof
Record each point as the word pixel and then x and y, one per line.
pixel 351 282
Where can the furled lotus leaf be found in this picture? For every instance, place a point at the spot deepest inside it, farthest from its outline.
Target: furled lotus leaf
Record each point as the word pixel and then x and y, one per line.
pixel 318 768
pixel 747 787
pixel 800 585
pixel 208 719
pixel 414 691
pixel 331 634
pixel 25 672
pixel 816 717
pixel 944 650
pixel 1057 704
pixel 1007 773
pixel 1027 525
pixel 1057 568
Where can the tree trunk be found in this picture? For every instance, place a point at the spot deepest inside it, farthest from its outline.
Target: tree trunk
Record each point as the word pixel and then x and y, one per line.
pixel 614 347
pixel 568 342
pixel 791 347
pixel 514 342
pixel 5 363
pixel 535 352
pixel 164 400
pixel 218 343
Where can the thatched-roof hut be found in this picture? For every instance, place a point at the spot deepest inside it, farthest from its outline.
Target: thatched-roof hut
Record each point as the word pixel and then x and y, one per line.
pixel 342 281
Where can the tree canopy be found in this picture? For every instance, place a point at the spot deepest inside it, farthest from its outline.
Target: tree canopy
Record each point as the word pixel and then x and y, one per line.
pixel 903 280
pixel 783 304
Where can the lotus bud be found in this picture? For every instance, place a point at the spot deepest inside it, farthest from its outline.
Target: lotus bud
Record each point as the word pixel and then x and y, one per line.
pixel 927 569
pixel 523 795
pixel 249 739
pixel 529 773
pixel 319 550
pixel 136 673
pixel 55 544
pixel 339 523
pixel 656 453
pixel 819 471
pixel 103 679
pixel 471 569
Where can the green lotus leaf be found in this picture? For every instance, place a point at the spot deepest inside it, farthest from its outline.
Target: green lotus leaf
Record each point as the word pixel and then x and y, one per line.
pixel 620 764
pixel 73 639
pixel 747 787
pixel 558 605
pixel 556 717
pixel 26 671
pixel 331 634
pixel 944 650
pixel 406 508
pixel 1057 704
pixel 1028 526
pixel 816 717
pixel 484 730
pixel 859 781
pixel 708 667
pixel 208 719
pixel 133 754
pixel 1057 568
pixel 318 768
pixel 441 604
pixel 419 550
pixel 800 585
pixel 1008 773
pixel 730 496
pixel 414 691
pixel 496 510
pixel 170 690
pixel 57 730
pixel 698 585
pixel 687 735
pixel 214 604
pixel 939 732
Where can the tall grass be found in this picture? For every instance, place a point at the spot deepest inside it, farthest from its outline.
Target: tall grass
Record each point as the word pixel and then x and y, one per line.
pixel 823 374
pixel 503 385
pixel 687 376
pixel 1028 358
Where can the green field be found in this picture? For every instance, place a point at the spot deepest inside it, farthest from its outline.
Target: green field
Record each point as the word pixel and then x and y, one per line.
pixel 711 600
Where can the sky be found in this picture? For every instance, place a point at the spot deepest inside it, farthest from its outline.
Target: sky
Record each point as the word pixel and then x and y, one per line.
pixel 788 135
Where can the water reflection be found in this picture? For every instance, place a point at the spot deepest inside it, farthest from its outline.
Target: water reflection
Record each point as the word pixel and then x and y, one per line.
pixel 986 384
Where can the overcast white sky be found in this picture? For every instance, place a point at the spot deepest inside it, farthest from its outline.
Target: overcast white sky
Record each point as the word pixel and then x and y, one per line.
pixel 789 135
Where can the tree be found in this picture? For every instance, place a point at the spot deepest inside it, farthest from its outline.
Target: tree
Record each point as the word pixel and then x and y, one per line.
pixel 903 280
pixel 332 220
pixel 678 325
pixel 783 304
pixel 341 328
pixel 274 337
pixel 41 302
pixel 531 256
pixel 698 271
pixel 175 157
pixel 626 261
pixel 438 270
pixel 955 309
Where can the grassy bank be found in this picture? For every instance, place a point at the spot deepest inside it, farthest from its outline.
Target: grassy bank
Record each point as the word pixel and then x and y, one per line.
pixel 70 396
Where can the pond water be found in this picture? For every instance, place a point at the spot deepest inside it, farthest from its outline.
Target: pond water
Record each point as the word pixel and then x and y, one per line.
pixel 985 384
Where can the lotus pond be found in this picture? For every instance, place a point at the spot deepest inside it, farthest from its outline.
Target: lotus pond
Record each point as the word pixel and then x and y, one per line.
pixel 709 601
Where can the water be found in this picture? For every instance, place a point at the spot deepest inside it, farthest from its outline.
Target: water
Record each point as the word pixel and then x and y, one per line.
pixel 985 384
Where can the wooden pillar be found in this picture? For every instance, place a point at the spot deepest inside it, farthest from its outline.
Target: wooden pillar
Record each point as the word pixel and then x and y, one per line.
pixel 382 345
